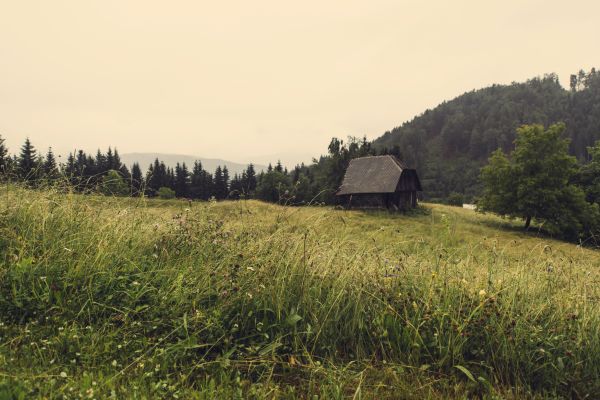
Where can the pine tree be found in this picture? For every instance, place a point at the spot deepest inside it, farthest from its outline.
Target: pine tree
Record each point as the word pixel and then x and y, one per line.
pixel 137 181
pixel 110 160
pixel 50 167
pixel 101 165
pixel 28 161
pixel 181 181
pixel 225 182
pixel 156 177
pixel 235 187
pixel 278 166
pixel 249 180
pixel 116 161
pixel 219 185
pixel 198 187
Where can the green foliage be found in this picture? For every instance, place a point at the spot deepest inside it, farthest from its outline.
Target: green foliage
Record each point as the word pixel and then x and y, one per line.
pixel 273 186
pixel 456 199
pixel 166 193
pixel 113 184
pixel 589 175
pixel 537 184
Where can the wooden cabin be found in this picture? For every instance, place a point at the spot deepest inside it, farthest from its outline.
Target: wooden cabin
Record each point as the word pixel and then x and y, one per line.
pixel 379 181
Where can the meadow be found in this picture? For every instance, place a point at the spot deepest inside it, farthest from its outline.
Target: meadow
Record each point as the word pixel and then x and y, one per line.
pixel 107 297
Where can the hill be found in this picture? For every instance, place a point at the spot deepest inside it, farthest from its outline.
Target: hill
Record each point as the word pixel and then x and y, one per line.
pixel 134 298
pixel 450 143
pixel 170 160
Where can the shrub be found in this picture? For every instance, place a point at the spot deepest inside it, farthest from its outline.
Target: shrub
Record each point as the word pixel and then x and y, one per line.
pixel 166 193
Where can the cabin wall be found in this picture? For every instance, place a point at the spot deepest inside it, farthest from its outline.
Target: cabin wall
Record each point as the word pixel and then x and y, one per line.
pixel 394 201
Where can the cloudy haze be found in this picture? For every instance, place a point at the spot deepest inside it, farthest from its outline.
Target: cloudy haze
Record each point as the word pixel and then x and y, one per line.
pixel 253 80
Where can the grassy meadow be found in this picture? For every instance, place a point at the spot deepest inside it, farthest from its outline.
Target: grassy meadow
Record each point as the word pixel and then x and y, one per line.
pixel 104 297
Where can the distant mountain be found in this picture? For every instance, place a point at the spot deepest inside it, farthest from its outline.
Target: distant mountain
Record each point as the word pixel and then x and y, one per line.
pixel 210 164
pixel 451 142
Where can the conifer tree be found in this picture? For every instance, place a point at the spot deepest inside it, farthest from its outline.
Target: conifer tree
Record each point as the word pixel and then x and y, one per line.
pixel 101 164
pixel 50 166
pixel 249 180
pixel 278 166
pixel 110 160
pixel 116 161
pixel 225 182
pixel 197 184
pixel 181 180
pixel 170 178
pixel 137 181
pixel 235 187
pixel 28 161
pixel 219 186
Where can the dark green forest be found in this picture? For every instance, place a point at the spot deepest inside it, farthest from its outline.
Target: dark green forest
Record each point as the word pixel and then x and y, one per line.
pixel 450 143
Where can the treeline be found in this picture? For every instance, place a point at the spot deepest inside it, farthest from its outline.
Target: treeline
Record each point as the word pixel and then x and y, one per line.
pixel 105 173
pixel 451 142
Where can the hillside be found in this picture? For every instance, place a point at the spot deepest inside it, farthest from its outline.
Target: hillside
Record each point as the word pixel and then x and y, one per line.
pixel 449 144
pixel 135 298
pixel 170 160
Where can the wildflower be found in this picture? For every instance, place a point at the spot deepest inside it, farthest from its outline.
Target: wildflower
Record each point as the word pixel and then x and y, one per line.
pixel 63 374
pixel 114 363
pixel 135 283
pixel 482 293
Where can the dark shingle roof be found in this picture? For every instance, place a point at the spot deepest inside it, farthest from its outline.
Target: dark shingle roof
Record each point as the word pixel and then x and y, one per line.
pixel 377 174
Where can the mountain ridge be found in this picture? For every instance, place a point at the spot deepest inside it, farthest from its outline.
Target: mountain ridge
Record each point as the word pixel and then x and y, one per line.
pixel 449 143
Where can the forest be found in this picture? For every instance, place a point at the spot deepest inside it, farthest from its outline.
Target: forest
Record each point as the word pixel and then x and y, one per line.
pixel 451 142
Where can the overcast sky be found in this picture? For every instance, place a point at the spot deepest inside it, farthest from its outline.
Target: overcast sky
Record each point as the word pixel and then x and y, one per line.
pixel 247 79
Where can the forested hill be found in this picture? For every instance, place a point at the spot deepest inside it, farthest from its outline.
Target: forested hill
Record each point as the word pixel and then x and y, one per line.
pixel 449 144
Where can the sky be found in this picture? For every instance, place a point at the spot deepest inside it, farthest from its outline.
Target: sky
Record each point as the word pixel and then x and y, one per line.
pixel 261 80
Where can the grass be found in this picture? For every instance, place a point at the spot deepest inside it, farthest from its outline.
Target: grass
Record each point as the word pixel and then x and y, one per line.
pixel 106 297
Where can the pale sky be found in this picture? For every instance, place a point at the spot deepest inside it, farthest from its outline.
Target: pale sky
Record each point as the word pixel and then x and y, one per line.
pixel 241 80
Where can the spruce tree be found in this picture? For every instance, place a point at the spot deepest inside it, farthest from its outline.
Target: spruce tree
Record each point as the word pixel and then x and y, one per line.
pixel 249 180
pixel 235 187
pixel 110 160
pixel 50 167
pixel 137 181
pixel 225 182
pixel 181 180
pixel 278 166
pixel 219 190
pixel 196 181
pixel 28 161
pixel 101 165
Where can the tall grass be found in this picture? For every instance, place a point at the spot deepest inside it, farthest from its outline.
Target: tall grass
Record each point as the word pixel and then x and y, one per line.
pixel 103 296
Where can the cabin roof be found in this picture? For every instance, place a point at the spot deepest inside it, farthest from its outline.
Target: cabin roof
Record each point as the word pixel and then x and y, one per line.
pixel 375 174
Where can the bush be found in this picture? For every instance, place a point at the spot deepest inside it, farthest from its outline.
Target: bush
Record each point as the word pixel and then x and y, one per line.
pixel 456 199
pixel 166 193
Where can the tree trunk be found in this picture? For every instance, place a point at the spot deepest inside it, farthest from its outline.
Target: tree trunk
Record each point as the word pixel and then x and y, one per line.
pixel 527 222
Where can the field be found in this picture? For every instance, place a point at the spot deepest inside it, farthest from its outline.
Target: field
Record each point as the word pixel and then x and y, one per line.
pixel 105 297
